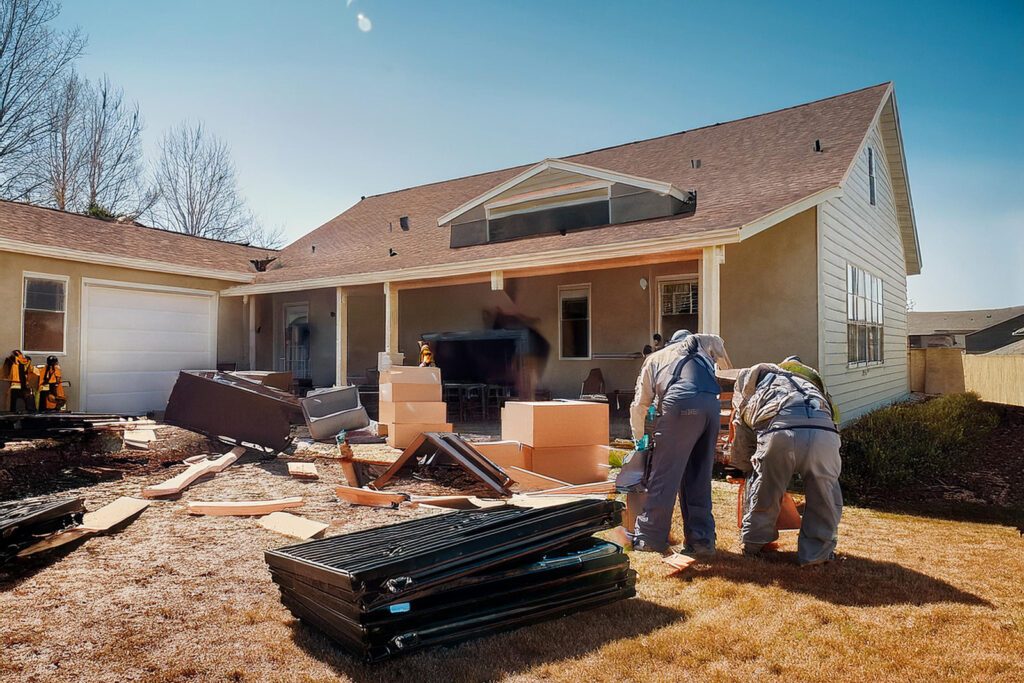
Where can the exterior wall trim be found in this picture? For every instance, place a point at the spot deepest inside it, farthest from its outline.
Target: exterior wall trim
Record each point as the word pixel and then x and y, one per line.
pixel 21 311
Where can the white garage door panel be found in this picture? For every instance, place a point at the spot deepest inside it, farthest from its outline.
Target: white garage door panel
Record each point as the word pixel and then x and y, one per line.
pixel 135 341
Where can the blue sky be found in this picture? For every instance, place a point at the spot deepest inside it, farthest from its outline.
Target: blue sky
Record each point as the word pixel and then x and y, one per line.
pixel 318 112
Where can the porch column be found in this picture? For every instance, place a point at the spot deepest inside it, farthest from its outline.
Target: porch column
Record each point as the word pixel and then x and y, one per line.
pixel 251 301
pixel 341 338
pixel 710 289
pixel 390 317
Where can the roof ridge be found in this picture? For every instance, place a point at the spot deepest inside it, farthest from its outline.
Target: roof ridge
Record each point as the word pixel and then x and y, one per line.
pixel 627 144
pixel 131 224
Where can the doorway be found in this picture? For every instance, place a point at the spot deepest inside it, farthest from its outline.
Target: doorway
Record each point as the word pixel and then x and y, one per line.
pixel 295 344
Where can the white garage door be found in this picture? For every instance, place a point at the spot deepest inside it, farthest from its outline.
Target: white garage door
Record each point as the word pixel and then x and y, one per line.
pixel 135 340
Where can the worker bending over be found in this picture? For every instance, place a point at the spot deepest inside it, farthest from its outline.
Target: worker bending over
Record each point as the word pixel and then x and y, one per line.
pixel 785 423
pixel 20 372
pixel 51 389
pixel 680 380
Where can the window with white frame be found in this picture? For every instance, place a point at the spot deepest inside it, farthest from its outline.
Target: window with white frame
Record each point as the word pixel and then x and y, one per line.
pixel 574 322
pixel 865 323
pixel 871 176
pixel 43 313
pixel 679 298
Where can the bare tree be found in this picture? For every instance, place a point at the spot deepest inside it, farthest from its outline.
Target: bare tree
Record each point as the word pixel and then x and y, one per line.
pixel 198 189
pixel 33 59
pixel 59 164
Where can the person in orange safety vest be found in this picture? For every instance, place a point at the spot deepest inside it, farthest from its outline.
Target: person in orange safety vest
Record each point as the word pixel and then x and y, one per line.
pixel 51 390
pixel 20 372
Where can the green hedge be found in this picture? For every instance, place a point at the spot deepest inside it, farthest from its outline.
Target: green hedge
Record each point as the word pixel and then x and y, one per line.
pixel 911 442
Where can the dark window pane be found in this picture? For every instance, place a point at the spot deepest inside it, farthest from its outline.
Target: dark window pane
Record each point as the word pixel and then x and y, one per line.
pixel 574 308
pixel 44 295
pixel 575 341
pixel 851 343
pixel 44 331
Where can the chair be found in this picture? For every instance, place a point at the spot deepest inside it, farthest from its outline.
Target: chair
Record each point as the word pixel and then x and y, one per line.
pixel 593 387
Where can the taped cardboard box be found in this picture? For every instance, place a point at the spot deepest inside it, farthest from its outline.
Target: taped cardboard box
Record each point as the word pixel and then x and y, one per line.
pixel 543 424
pixel 505 453
pixel 401 435
pixel 413 413
pixel 574 464
pixel 410 393
pixel 410 375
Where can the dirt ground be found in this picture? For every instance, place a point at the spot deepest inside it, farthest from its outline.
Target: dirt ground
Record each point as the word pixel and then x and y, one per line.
pixel 179 598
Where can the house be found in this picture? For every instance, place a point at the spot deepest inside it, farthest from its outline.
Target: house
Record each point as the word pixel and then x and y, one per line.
pixel 123 307
pixel 791 232
pixel 973 331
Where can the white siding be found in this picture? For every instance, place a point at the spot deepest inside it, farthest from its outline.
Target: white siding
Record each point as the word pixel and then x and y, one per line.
pixel 853 231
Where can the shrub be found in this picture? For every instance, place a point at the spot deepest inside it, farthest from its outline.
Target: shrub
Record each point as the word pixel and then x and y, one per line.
pixel 892 447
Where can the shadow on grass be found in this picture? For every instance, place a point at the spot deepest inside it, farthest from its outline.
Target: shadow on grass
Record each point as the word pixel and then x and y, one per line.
pixel 492 657
pixel 850 580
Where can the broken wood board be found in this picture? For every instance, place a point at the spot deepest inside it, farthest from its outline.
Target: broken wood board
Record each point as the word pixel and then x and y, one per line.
pixel 139 438
pixel 99 521
pixel 360 496
pixel 177 484
pixel 531 481
pixel 303 470
pixel 593 488
pixel 292 525
pixel 475 503
pixel 679 562
pixel 243 508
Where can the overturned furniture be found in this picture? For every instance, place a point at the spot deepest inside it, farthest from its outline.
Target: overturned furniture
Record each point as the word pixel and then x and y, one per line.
pixel 237 411
pixel 448 578
pixel 330 411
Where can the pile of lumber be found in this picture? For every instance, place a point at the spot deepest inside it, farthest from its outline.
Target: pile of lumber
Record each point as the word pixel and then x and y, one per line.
pixel 25 522
pixel 447 578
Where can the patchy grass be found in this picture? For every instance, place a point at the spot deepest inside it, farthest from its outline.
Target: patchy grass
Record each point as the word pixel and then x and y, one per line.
pixel 181 598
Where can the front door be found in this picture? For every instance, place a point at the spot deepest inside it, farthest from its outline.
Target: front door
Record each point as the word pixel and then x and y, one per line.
pixel 295 345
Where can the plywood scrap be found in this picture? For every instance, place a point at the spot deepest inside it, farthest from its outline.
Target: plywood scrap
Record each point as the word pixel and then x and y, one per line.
pixel 292 525
pixel 679 562
pixel 531 481
pixel 455 502
pixel 361 496
pixel 101 521
pixel 243 508
pixel 202 468
pixel 139 438
pixel 303 470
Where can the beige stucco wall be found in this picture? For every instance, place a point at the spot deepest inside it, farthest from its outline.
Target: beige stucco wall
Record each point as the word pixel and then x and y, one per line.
pixel 230 334
pixel 769 294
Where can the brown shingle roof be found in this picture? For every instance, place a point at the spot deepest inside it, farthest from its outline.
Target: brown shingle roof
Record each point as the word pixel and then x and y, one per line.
pixel 749 168
pixel 960 322
pixel 39 226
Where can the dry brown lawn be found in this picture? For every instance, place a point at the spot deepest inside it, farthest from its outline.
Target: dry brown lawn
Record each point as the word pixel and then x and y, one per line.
pixel 180 598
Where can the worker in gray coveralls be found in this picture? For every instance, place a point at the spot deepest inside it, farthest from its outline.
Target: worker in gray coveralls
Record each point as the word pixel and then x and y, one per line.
pixel 784 424
pixel 681 379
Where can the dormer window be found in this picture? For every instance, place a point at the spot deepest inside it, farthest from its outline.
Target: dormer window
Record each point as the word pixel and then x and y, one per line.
pixel 557 197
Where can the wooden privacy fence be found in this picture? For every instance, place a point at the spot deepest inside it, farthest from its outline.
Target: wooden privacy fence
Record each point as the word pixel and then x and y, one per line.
pixel 999 379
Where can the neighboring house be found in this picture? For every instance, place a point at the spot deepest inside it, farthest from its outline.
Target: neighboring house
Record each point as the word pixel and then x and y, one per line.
pixel 791 232
pixel 124 307
pixel 1014 349
pixel 973 331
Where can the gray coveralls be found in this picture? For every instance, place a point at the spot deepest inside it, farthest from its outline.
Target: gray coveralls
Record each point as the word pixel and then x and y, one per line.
pixel 684 453
pixel 797 436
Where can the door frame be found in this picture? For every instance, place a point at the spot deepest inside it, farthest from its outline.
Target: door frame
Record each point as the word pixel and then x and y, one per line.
pixel 83 323
pixel 280 327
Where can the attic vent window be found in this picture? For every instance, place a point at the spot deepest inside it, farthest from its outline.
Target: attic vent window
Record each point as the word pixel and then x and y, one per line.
pixel 403 222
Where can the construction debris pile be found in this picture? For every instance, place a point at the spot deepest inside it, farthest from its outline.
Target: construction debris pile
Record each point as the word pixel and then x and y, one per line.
pixel 24 522
pixel 25 426
pixel 448 578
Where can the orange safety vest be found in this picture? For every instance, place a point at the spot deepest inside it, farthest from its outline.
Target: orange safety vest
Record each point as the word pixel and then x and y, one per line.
pixel 50 382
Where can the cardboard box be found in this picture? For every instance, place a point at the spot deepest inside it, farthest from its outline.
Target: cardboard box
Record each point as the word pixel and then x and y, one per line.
pixel 504 453
pixel 544 424
pixel 410 375
pixel 412 413
pixel 401 435
pixel 574 464
pixel 398 393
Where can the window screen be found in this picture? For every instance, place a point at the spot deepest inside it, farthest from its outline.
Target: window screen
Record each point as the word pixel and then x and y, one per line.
pixel 574 322
pixel 865 311
pixel 43 314
pixel 679 298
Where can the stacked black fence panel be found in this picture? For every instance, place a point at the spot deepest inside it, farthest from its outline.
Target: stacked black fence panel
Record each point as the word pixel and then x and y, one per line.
pixel 23 522
pixel 445 579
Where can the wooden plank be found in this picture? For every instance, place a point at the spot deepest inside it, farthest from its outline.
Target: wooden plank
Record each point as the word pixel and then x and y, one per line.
pixel 593 488
pixel 292 525
pixel 243 508
pixel 177 484
pixel 303 470
pixel 679 562
pixel 531 481
pixel 97 522
pixel 360 496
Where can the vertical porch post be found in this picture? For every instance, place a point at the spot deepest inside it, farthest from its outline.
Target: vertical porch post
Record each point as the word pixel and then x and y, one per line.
pixel 251 301
pixel 341 338
pixel 390 317
pixel 711 289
